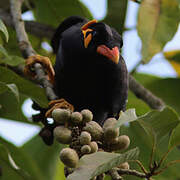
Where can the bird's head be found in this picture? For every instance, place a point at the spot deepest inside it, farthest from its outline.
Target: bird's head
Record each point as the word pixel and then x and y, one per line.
pixel 77 35
pixel 100 38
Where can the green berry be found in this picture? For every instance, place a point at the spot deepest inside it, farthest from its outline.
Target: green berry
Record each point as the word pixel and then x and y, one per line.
pixel 85 138
pixel 110 122
pixel 120 143
pixel 61 115
pixel 86 149
pixel 62 134
pixel 94 129
pixel 87 115
pixel 94 146
pixel 69 157
pixel 124 165
pixel 76 117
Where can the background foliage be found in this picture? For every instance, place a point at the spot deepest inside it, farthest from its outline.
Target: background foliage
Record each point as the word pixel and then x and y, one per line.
pixel 157 23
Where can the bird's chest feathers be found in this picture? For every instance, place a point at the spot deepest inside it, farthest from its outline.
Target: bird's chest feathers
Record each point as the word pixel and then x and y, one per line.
pixel 87 78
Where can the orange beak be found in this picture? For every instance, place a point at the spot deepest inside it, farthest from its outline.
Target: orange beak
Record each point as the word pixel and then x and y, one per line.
pixel 112 54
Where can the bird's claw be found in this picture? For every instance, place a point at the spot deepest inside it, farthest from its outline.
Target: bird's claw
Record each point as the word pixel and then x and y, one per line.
pixel 46 63
pixel 59 103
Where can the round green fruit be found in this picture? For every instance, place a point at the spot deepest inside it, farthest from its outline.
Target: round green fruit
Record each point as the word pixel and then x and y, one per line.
pixel 85 138
pixel 87 115
pixel 94 129
pixel 61 115
pixel 62 134
pixel 69 157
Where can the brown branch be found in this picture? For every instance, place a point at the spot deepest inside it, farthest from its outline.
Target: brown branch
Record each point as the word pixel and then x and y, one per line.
pixel 38 29
pixel 141 92
pixel 131 172
pixel 26 48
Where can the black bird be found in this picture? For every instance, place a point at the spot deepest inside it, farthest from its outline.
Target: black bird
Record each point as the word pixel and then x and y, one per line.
pixel 90 73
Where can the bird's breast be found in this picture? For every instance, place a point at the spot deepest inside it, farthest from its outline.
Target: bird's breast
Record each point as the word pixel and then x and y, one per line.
pixel 87 84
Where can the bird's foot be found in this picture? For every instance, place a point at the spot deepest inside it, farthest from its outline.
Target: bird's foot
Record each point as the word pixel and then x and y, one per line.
pixel 46 63
pixel 59 103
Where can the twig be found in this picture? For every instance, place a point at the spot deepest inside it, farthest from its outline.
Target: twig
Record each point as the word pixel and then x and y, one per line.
pixel 167 165
pixel 152 155
pixel 26 48
pixel 144 94
pixel 141 166
pixel 114 174
pixel 131 172
pixel 38 29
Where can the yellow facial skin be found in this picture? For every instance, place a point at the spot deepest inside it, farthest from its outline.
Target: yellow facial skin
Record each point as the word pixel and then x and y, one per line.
pixel 85 29
pixel 87 39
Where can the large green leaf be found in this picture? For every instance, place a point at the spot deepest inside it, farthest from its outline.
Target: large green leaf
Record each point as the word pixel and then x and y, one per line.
pixel 10 108
pixel 9 168
pixel 54 11
pixel 175 137
pixel 166 88
pixel 94 164
pixel 5 58
pixel 25 87
pixel 140 139
pixel 157 23
pixel 22 166
pixel 4 30
pixel 46 157
pixel 10 102
pixel 116 14
pixel 134 102
pixel 158 124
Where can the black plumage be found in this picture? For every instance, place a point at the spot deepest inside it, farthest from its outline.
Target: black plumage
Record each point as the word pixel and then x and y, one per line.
pixel 85 78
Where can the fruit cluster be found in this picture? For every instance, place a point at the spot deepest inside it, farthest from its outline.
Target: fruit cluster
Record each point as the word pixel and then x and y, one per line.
pixel 84 135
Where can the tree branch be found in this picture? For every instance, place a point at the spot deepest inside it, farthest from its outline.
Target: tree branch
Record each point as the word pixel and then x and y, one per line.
pixel 141 92
pixel 26 48
pixel 38 29
pixel 131 172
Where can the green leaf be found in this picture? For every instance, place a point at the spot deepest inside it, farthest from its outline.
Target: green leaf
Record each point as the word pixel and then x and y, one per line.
pixel 140 139
pixel 13 88
pixel 3 87
pixel 116 13
pixel 46 157
pixel 25 87
pixel 175 137
pixel 12 60
pixel 3 51
pixel 94 164
pixel 157 23
pixel 4 30
pixel 13 94
pixel 20 165
pixel 126 117
pixel 158 124
pixel 9 168
pixel 54 11
pixel 10 108
pixel 140 105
